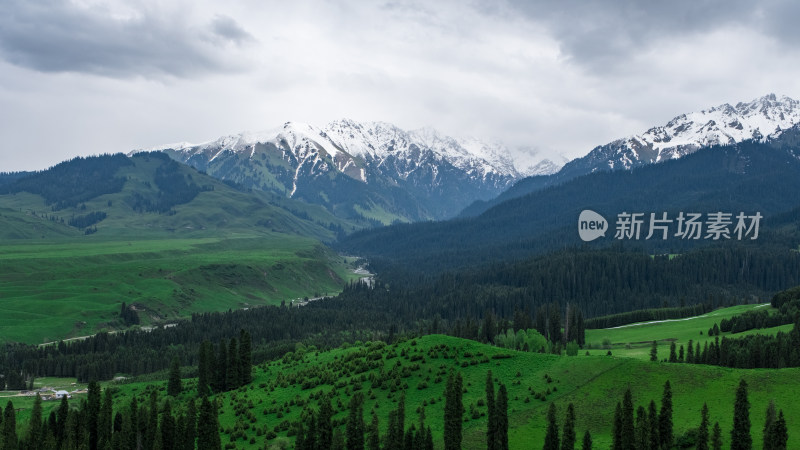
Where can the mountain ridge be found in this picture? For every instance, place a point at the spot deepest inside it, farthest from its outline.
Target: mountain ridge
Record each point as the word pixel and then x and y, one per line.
pixel 371 170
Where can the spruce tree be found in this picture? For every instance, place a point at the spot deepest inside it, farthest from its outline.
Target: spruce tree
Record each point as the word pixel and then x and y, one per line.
pixel 779 434
pixel 587 441
pixel 568 434
pixel 491 426
pixel 191 425
pixel 702 432
pixel 616 429
pixel 453 412
pixel 104 420
pixel 654 351
pixel 324 423
pixel 374 434
pixel 9 438
pixel 501 413
pixel 61 420
pixel 221 367
pixel 167 428
pixel 204 374
pixel 551 435
pixel 673 355
pixel 769 420
pixel 690 352
pixel 740 434
pixel 208 427
pixel 174 382
pixel 665 418
pixel 93 413
pixel 232 378
pixel 628 435
pixel 716 437
pixel 642 428
pixel 35 434
pixel 355 423
pixel 652 420
pixel 245 358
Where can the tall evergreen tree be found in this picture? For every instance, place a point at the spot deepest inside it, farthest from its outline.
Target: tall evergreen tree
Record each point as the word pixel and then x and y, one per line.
pixel 204 373
pixel 374 434
pixel 501 413
pixel 9 438
pixel 245 357
pixel 104 420
pixel 208 427
pixel 191 425
pixel 654 351
pixel 642 440
pixel 324 423
pixel 93 413
pixel 35 430
pixel 673 355
pixel 61 420
pixel 665 418
pixel 568 434
pixel 740 434
pixel 716 437
pixel 587 441
pixel 453 412
pixel 779 434
pixel 152 421
pixel 628 435
pixel 174 383
pixel 690 352
pixel 355 423
pixel 232 379
pixel 167 428
pixel 769 421
pixel 551 435
pixel 491 425
pixel 616 429
pixel 221 367
pixel 652 419
pixel 702 431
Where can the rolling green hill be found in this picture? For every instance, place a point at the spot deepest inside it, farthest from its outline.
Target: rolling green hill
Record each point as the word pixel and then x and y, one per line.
pixel 282 389
pixel 78 240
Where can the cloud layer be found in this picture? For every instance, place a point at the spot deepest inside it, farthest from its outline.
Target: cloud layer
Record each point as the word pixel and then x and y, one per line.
pixel 93 76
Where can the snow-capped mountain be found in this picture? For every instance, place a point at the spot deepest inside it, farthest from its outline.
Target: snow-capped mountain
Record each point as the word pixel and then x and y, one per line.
pixel 763 118
pixel 372 170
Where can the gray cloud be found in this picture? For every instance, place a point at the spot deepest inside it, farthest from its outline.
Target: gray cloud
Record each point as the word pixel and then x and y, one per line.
pixel 62 36
pixel 604 36
pixel 230 30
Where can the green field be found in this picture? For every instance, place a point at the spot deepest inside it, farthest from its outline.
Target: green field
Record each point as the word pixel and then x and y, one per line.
pixel 593 383
pixel 635 340
pixel 223 249
pixel 66 288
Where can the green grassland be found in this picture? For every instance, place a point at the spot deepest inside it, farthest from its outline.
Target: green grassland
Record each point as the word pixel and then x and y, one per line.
pixel 54 290
pixel 635 340
pixel 419 368
pixel 224 249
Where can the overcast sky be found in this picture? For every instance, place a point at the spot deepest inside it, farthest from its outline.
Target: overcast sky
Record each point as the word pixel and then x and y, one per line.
pixel 86 76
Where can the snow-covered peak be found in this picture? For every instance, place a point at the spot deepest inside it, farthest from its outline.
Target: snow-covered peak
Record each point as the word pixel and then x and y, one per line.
pixel 726 124
pixel 762 118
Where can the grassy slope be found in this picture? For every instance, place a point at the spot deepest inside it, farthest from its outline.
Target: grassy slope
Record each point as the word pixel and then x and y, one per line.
pixel 636 340
pixel 593 383
pixel 225 249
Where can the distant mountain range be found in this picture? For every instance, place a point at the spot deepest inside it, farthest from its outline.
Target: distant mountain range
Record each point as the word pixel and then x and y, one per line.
pixel 749 176
pixel 762 119
pixel 373 171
